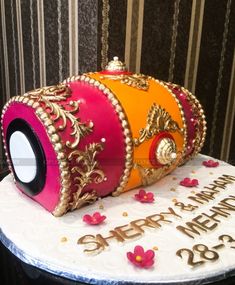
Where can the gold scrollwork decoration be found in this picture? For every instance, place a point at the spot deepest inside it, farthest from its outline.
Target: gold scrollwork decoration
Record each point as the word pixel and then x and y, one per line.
pixel 58 92
pixel 138 81
pixel 88 172
pixel 158 120
pixel 150 175
pixel 50 96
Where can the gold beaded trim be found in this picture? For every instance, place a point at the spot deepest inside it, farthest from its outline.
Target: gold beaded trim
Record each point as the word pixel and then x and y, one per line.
pixel 184 129
pixel 197 109
pixel 4 141
pixel 124 122
pixel 55 139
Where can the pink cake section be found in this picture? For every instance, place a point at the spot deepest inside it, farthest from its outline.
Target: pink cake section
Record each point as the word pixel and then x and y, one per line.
pixel 50 195
pixel 95 107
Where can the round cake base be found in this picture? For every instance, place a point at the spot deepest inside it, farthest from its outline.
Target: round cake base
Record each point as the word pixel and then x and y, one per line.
pixel 190 229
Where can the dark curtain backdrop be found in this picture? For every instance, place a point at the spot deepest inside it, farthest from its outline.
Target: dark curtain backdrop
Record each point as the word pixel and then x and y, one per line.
pixel 189 42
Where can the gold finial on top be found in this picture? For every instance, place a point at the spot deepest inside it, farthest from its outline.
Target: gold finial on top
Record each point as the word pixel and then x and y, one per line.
pixel 116 65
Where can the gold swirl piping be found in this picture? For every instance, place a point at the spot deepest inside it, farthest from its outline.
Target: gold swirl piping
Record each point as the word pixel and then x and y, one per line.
pixel 158 120
pixel 138 81
pixel 87 172
pixel 150 175
pixel 49 96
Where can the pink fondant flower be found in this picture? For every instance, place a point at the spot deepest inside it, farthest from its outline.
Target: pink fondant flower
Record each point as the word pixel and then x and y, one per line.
pixel 187 182
pixel 141 258
pixel 210 163
pixel 95 219
pixel 144 197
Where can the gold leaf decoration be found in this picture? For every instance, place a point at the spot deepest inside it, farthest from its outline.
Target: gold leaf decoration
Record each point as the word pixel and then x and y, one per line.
pixel 138 81
pixel 53 93
pixel 158 120
pixel 150 175
pixel 88 172
pixel 50 96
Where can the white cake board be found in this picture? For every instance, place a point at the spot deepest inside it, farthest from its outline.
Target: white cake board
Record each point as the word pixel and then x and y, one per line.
pixel 34 235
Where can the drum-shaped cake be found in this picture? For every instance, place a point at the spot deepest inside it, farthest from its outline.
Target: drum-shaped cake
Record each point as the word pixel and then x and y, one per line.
pixel 98 134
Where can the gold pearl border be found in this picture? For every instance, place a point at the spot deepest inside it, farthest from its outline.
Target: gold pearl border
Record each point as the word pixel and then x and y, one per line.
pixel 201 117
pixel 185 132
pixel 55 139
pixel 124 122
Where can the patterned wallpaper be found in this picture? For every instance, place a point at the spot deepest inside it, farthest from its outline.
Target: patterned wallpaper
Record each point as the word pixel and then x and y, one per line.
pixel 189 42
